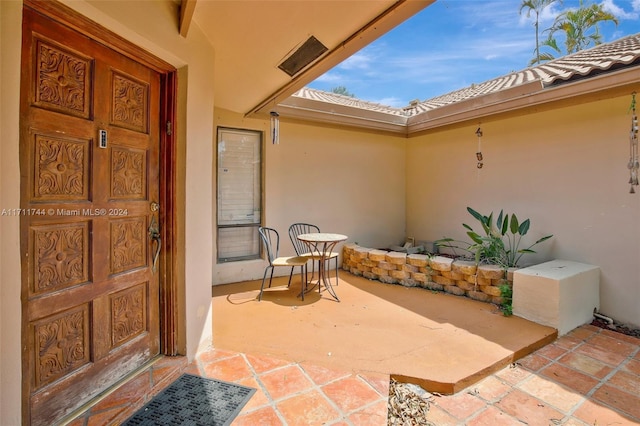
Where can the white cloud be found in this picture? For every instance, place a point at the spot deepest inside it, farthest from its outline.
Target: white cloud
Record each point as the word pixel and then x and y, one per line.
pixel 620 13
pixel 359 61
pixel 330 78
pixel 392 101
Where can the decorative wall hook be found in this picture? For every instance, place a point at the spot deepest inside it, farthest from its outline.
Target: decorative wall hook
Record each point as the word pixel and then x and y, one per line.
pixel 275 127
pixel 479 152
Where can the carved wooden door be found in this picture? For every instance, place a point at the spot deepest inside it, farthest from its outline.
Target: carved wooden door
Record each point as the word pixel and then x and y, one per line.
pixel 89 165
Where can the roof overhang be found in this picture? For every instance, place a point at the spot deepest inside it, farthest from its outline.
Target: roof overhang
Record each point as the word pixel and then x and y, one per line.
pixel 319 111
pixel 517 99
pixel 525 96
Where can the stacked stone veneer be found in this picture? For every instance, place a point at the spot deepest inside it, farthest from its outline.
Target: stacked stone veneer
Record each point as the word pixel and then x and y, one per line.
pixel 459 277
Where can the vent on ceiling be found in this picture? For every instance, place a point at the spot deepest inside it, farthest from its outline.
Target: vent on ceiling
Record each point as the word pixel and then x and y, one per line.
pixel 310 50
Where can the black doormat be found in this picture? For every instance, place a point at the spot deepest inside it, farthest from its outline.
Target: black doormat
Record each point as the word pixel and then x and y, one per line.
pixel 194 401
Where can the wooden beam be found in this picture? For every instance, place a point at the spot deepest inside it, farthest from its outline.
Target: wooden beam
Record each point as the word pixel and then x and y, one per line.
pixel 186 14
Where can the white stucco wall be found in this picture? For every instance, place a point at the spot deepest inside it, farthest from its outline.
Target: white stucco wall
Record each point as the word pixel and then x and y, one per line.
pixel 153 26
pixel 564 169
pixel 345 181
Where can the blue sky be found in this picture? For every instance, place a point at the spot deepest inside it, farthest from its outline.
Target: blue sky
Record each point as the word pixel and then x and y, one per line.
pixel 454 43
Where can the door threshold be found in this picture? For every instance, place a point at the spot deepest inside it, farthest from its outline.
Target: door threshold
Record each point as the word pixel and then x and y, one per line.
pixel 111 389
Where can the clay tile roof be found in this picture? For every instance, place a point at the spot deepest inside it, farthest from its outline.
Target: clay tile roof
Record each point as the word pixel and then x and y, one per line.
pixel 589 62
pixel 334 98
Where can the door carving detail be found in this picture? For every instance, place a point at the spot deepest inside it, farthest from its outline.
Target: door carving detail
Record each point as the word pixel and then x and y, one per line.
pixel 61 256
pixel 128 244
pixel 63 80
pixel 61 169
pixel 128 314
pixel 128 171
pixel 62 344
pixel 129 103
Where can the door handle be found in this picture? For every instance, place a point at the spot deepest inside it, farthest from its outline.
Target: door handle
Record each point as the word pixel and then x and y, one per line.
pixel 156 240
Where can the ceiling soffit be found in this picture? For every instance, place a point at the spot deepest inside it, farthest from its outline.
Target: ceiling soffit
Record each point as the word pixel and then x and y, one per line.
pixel 251 38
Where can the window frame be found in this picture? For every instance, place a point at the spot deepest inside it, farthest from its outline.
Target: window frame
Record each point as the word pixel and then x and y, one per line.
pixel 260 194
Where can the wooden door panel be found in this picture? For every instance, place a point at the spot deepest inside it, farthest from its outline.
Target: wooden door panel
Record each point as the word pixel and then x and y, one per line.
pixel 60 253
pixel 63 78
pixel 61 168
pixel 90 297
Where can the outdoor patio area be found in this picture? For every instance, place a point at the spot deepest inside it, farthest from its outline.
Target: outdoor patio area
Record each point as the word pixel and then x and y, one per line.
pixel 442 342
pixel 320 362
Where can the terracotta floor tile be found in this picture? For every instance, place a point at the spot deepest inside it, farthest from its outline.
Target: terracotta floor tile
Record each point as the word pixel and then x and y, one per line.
pixel 551 351
pixel 262 364
pixel 350 393
pixel 626 381
pixel 572 421
pixel 285 381
pixel 602 354
pixel 551 393
pixel 528 409
pixel 586 364
pixel 534 362
pixel 632 366
pixel 193 369
pixel 307 409
pixel 513 375
pixel 439 417
pixel 620 400
pixel 460 405
pixel 258 399
pixel 171 362
pixel 379 382
pixel 594 413
pixel 491 388
pixel 263 417
pixel 228 369
pixel 614 334
pixel 373 415
pixel 615 345
pixel 568 342
pixel 584 332
pixel 214 355
pixel 491 416
pixel 323 375
pixel 570 378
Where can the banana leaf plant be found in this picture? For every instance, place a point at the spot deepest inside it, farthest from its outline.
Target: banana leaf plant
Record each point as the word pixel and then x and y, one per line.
pixel 499 242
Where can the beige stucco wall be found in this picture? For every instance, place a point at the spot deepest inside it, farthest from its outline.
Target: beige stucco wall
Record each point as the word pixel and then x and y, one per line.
pixel 10 377
pixel 345 181
pixel 152 25
pixel 565 169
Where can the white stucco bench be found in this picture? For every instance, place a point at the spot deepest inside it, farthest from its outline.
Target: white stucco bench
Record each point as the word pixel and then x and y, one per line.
pixel 560 294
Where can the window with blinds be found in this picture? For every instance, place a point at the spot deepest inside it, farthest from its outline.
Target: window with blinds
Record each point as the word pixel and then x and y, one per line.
pixel 239 194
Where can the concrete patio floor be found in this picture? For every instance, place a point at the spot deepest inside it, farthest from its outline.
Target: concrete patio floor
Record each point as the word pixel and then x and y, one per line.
pixel 587 377
pixel 441 342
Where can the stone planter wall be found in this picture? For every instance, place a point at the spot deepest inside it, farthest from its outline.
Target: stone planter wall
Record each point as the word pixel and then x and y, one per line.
pixel 439 273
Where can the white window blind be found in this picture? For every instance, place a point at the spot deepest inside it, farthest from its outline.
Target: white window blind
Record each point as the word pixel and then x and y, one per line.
pixel 239 194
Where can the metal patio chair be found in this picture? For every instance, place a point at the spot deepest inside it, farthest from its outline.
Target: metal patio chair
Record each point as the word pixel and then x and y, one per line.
pixel 271 240
pixel 302 249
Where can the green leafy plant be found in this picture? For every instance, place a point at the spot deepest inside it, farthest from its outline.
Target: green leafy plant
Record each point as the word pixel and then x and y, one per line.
pixel 499 242
pixel 506 293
